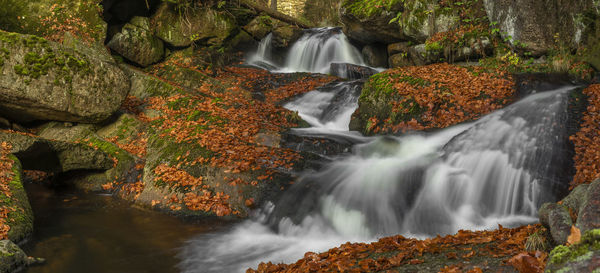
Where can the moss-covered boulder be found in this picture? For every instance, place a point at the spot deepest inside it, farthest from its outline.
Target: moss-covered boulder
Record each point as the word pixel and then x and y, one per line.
pixel 284 35
pixel 260 26
pixel 44 80
pixel 48 155
pixel 122 168
pixel 199 24
pixel 136 43
pixel 12 258
pixel 556 219
pixel 53 18
pixel 581 257
pixel 20 215
pixel 395 21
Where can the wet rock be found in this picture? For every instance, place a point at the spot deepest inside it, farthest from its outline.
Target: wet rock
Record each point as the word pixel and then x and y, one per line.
pixel 589 213
pixel 351 71
pixel 12 258
pixel 198 25
pixel 556 218
pixel 136 43
pixel 581 257
pixel 375 55
pixel 43 80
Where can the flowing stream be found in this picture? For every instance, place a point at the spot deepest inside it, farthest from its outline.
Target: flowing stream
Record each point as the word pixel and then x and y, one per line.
pixel 496 170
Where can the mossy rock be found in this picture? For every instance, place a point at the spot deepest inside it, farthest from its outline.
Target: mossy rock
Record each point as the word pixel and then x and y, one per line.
pixel 186 78
pixel 123 172
pixel 20 217
pixel 136 43
pixel 203 25
pixel 25 17
pixel 581 257
pixel 12 258
pixel 145 85
pixel 58 156
pixel 44 80
pixel 260 26
pixel 376 101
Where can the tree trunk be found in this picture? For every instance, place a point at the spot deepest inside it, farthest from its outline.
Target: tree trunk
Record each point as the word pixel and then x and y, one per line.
pixel 273 13
pixel 274 5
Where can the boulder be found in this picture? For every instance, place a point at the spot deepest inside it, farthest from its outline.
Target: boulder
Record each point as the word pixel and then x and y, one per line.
pixel 20 216
pixel 589 212
pixel 284 35
pixel 398 48
pixel 122 168
pixel 259 27
pixel 144 86
pixel 12 258
pixel 400 60
pixel 201 25
pixel 44 80
pixel 375 55
pixel 415 21
pixel 59 156
pixel 534 24
pixel 136 43
pixel 556 218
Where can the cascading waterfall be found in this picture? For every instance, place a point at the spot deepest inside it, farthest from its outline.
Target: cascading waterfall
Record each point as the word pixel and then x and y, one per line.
pixel 497 170
pixel 314 52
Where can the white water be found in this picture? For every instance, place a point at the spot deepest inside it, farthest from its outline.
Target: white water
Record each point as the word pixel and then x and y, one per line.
pixel 314 52
pixel 497 170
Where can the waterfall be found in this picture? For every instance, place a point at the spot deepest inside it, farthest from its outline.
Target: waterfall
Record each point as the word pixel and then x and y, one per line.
pixel 496 170
pixel 314 52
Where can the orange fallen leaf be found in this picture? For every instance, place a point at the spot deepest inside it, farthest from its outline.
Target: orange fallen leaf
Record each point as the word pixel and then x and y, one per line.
pixel 575 236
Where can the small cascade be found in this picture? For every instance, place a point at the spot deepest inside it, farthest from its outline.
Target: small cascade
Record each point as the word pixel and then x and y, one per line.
pixel 497 170
pixel 314 52
pixel 329 107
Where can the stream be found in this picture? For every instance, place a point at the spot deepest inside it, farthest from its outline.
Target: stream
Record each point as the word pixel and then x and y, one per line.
pixel 496 170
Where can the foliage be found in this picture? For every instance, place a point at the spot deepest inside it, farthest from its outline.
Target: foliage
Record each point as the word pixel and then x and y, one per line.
pixel 587 140
pixel 394 252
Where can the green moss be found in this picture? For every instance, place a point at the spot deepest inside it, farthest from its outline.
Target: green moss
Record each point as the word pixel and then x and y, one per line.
pixel 576 253
pixel 20 217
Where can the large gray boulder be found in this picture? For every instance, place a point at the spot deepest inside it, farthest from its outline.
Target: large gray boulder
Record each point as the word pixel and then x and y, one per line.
pixel 419 20
pixel 136 43
pixel 44 80
pixel 537 24
pixel 12 258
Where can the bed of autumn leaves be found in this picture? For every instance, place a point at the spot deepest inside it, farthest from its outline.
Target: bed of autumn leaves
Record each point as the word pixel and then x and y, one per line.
pixel 390 253
pixel 587 140
pixel 439 95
